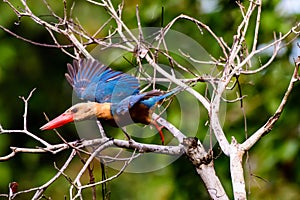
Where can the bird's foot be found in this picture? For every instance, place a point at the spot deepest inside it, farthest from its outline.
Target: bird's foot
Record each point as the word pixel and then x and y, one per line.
pixel 159 129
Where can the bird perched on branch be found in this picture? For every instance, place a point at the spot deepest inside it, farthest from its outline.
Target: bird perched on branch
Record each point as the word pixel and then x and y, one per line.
pixel 111 96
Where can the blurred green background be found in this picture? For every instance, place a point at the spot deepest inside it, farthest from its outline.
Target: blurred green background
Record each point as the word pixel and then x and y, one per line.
pixel 271 170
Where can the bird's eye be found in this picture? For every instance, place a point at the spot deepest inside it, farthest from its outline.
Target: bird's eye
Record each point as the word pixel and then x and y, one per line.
pixel 74 110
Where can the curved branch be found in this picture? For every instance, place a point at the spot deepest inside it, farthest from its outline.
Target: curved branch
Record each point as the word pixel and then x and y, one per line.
pixel 267 127
pixel 200 25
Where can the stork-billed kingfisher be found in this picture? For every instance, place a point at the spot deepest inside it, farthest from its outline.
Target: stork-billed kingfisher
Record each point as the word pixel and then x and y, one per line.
pixel 111 96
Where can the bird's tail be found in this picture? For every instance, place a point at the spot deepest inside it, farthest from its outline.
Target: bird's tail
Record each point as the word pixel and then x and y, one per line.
pixel 170 93
pixel 155 99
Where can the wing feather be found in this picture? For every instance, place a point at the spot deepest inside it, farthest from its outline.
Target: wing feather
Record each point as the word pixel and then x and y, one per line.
pixel 93 81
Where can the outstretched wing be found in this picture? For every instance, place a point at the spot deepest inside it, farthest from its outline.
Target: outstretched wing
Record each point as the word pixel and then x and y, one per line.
pixel 92 81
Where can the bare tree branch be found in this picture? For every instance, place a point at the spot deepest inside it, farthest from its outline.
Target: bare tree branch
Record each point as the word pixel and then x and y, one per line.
pixel 267 127
pixel 235 62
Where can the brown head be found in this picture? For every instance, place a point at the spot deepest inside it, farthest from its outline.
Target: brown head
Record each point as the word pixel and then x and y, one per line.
pixel 79 112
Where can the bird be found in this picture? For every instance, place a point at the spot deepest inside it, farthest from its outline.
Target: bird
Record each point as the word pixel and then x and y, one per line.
pixel 111 96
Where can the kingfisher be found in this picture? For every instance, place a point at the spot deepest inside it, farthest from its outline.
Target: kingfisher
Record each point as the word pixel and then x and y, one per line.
pixel 110 96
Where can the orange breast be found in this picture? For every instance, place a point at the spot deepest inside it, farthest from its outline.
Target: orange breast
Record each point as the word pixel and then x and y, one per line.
pixel 139 113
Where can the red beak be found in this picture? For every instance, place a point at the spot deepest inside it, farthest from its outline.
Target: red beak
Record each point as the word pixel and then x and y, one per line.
pixel 58 121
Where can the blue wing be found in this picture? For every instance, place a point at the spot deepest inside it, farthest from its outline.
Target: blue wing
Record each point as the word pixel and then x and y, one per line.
pixel 127 103
pixel 92 81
